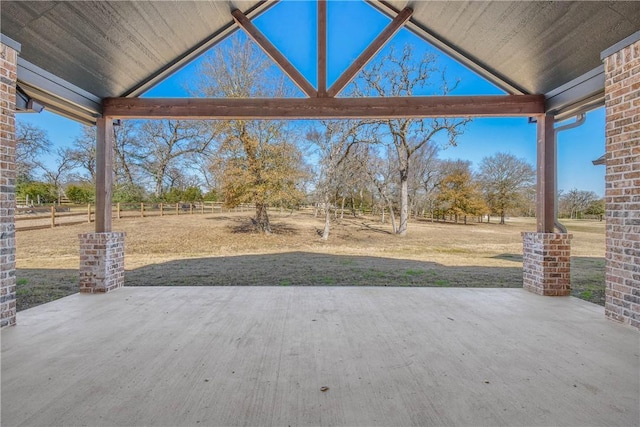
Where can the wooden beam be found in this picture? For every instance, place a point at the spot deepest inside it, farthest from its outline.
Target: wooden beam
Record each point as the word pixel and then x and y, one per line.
pixel 325 108
pixel 546 186
pixel 371 50
pixel 273 53
pixel 104 173
pixel 322 48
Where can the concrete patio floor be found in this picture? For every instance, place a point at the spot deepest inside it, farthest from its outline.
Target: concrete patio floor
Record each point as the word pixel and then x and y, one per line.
pixel 263 356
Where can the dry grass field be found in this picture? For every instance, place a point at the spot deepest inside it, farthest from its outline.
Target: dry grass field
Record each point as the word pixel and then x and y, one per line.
pixel 221 249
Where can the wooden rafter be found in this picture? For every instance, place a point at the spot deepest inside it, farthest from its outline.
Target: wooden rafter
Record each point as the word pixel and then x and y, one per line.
pixel 371 50
pixel 273 53
pixel 325 108
pixel 322 48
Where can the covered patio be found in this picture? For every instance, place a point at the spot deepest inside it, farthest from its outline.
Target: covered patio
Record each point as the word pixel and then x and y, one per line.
pixel 262 356
pixel 327 356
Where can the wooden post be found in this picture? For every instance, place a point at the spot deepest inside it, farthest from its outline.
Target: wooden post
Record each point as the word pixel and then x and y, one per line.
pixel 212 207
pixel 161 209
pixel 53 216
pixel 546 186
pixel 118 209
pixel 191 208
pixel 322 48
pixel 177 208
pixel 89 212
pixel 104 173
pixel 142 209
pixel 202 207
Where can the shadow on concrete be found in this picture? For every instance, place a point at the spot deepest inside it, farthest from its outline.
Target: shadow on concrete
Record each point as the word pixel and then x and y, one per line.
pixel 312 269
pixel 37 286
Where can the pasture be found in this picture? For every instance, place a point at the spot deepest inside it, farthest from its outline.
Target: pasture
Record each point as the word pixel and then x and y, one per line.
pixel 221 249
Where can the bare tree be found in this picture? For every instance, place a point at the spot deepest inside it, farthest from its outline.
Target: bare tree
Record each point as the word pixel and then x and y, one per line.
pixel 504 178
pixel 424 177
pixel 127 149
pixel 31 143
pixel 400 73
pixel 380 170
pixel 168 141
pixel 57 174
pixel 333 144
pixel 575 202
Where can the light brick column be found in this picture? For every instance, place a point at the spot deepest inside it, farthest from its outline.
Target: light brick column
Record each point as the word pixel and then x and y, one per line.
pixel 101 262
pixel 8 61
pixel 547 263
pixel 622 190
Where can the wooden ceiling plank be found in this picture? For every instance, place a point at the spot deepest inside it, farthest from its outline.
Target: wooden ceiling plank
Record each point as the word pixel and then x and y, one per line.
pixel 394 26
pixel 325 108
pixel 273 53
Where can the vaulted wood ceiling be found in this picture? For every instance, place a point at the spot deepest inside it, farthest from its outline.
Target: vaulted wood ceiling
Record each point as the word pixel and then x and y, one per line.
pixel 74 54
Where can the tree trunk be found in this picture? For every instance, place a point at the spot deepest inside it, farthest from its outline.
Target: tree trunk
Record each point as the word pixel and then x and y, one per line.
pixel 342 208
pixel 502 217
pixel 262 219
pixel 327 221
pixel 382 220
pixel 404 202
pixel 392 214
pixel 327 218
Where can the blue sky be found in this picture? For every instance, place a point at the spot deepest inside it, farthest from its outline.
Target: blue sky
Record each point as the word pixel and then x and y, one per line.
pixel 347 37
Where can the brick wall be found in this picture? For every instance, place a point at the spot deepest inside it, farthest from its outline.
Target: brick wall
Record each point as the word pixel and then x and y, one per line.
pixel 101 262
pixel 547 263
pixel 8 61
pixel 622 192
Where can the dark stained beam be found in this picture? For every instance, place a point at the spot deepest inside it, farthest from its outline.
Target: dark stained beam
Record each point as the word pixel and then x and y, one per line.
pixel 322 48
pixel 371 50
pixel 104 173
pixel 325 108
pixel 273 53
pixel 546 185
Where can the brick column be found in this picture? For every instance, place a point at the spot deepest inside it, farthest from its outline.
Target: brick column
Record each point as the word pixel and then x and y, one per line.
pixel 8 61
pixel 101 262
pixel 622 191
pixel 547 263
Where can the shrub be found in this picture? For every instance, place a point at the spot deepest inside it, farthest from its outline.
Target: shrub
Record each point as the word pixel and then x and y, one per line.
pixel 33 189
pixel 129 193
pixel 80 193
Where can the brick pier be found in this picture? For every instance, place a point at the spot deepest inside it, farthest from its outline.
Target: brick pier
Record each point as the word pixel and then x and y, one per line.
pixel 101 262
pixel 547 263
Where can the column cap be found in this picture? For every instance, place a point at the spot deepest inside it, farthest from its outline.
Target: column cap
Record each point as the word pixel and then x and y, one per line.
pixel 8 41
pixel 620 45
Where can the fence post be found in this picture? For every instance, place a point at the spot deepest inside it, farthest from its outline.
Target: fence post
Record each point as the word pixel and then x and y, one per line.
pixel 202 207
pixel 118 208
pixel 142 209
pixel 89 212
pixel 53 216
pixel 177 208
pixel 191 208
pixel 161 209
pixel 212 209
